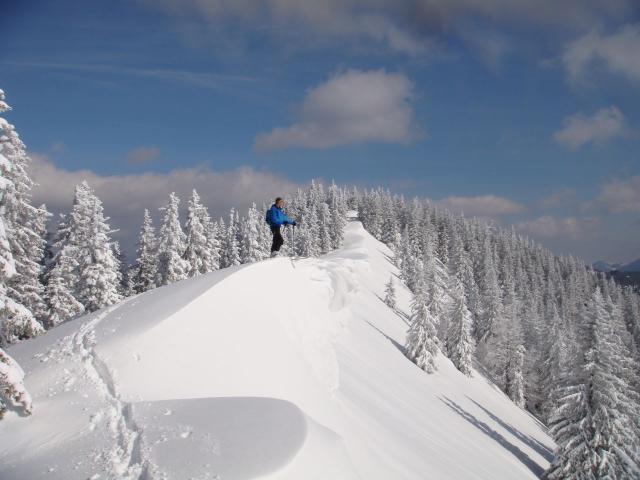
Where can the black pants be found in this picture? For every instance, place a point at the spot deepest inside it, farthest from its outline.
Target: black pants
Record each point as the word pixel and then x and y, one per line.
pixel 277 239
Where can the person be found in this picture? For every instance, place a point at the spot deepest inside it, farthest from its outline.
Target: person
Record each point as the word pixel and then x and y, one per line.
pixel 276 218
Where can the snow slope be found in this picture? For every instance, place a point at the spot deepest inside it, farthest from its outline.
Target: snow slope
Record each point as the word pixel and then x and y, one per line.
pixel 278 370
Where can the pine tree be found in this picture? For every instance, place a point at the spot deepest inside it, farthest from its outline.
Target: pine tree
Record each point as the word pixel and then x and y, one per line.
pixel 250 250
pixel 125 287
pixel 230 249
pixel 61 276
pixel 145 269
pixel 13 394
pixel 213 243
pixel 16 320
pixel 171 246
pixel 99 278
pixel 555 363
pixel 12 390
pixel 490 299
pixel 325 242
pixel 459 342
pixel 390 294
pixel 62 305
pixel 514 375
pixel 338 208
pixel 197 252
pixel 421 347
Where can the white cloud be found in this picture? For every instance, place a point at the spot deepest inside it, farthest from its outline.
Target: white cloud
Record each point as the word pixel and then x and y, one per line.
pixel 552 227
pixel 620 196
pixel 351 107
pixel 483 205
pixel 142 155
pixel 604 125
pixel 126 196
pixel 619 53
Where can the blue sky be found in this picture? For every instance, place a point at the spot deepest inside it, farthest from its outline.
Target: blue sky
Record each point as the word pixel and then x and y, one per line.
pixel 515 111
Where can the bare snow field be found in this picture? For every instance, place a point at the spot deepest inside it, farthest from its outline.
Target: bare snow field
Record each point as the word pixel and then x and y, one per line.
pixel 282 369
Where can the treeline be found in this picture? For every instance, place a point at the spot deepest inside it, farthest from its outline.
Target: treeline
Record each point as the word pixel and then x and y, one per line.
pixel 560 339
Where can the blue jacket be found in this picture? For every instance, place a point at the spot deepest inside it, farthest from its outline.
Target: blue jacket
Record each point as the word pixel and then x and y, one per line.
pixel 276 217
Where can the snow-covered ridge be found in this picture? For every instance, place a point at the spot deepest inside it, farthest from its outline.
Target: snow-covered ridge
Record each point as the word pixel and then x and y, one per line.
pixel 280 369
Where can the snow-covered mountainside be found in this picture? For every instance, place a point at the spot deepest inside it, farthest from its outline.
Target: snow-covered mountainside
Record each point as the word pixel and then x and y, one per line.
pixel 631 266
pixel 603 266
pixel 279 370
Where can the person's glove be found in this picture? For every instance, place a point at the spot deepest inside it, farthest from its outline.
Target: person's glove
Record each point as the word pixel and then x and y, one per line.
pixel 293 223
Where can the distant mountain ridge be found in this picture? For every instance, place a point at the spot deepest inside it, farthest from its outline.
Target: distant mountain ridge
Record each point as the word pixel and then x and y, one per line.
pixel 603 266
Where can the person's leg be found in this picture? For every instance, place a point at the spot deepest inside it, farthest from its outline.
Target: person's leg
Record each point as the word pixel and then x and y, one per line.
pixel 277 239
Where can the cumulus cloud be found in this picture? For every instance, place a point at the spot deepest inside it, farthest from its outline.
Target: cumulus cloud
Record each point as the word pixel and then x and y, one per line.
pixel 552 227
pixel 617 53
pixel 126 196
pixel 142 155
pixel 483 205
pixel 604 125
pixel 620 196
pixel 351 107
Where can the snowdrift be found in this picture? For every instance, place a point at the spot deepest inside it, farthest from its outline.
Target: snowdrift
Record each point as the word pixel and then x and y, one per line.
pixel 278 370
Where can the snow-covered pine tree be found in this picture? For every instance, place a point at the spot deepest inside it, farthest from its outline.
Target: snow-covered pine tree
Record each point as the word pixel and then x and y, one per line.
pixel 62 304
pixel 390 294
pixel 13 393
pixel 338 208
pixel 631 310
pixel 435 278
pixel 325 243
pixel 16 320
pixel 514 375
pixel 250 249
pixel 125 287
pixel 25 225
pixel 596 438
pixel 310 247
pixel 99 279
pixel 555 361
pixel 490 298
pixel 171 245
pixel 145 268
pixel 230 250
pixel 61 276
pixel 421 347
pixel 197 252
pixel 70 255
pixel 221 230
pixel 264 234
pixel 214 236
pixel 459 342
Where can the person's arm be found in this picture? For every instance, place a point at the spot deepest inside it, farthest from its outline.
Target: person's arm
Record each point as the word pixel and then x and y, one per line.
pixel 286 220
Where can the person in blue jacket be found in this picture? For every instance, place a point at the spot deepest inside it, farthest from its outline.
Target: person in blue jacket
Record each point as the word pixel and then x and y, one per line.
pixel 276 218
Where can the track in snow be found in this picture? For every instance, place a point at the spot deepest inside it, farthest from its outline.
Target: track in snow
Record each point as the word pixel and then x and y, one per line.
pixel 125 457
